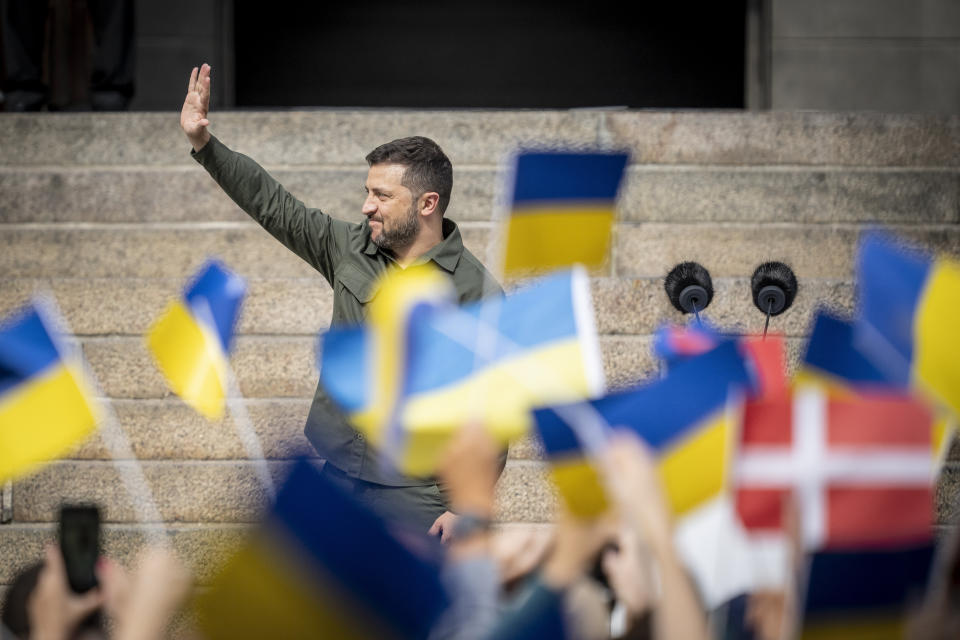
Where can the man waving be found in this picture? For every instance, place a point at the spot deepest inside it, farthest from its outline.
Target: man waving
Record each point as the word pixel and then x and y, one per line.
pixel 408 188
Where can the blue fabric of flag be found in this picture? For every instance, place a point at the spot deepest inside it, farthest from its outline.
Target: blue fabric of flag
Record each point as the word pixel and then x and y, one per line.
pixel 831 349
pixel 848 581
pixel 355 545
pixel 26 349
pixel 344 358
pixel 891 280
pixel 547 177
pixel 434 341
pixel 215 297
pixel 558 438
pixel 443 337
pixel 662 410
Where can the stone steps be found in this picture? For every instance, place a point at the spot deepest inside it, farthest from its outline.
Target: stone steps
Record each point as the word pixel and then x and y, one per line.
pixel 651 193
pixel 109 213
pixel 483 137
pixel 301 306
pixel 222 491
pixel 639 250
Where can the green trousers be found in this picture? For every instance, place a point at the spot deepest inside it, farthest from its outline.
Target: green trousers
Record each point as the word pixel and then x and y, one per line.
pixel 415 507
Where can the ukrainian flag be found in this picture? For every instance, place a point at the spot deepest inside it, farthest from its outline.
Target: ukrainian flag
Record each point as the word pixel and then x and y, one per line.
pixel 46 407
pixel 191 340
pixel 575 475
pixel 488 363
pixel 908 325
pixel 562 210
pixel 832 358
pixel 322 566
pixel 684 417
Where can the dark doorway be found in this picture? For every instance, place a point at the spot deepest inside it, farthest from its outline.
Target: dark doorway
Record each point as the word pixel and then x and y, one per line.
pixel 521 54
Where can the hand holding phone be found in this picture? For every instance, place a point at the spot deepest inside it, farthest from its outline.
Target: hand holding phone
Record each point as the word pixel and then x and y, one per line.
pixel 80 545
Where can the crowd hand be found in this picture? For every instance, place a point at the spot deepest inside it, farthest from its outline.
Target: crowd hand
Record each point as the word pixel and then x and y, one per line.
pixel 638 491
pixel 115 584
pixel 628 571
pixel 641 499
pixel 468 470
pixel 193 116
pixel 517 551
pixel 575 548
pixel 765 616
pixel 54 610
pixel 157 588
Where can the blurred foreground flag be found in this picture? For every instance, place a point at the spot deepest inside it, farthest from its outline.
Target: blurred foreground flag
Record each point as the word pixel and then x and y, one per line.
pixel 767 355
pixel 833 359
pixel 489 363
pixel 321 566
pixel 684 418
pixel 861 594
pixel 673 343
pixel 46 407
pixel 574 472
pixel 191 340
pixel 563 206
pixel 859 467
pixel 688 419
pixel 908 319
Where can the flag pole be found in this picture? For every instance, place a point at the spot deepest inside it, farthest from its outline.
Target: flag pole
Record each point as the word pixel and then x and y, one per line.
pixel 121 453
pixel 247 435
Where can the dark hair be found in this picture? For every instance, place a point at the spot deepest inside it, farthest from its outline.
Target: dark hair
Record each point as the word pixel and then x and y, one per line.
pixel 427 167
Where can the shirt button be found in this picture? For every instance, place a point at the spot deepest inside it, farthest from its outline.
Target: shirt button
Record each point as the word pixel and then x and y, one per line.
pixel 359 436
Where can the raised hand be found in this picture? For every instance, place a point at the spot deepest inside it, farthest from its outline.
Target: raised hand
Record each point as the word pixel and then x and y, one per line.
pixel 193 116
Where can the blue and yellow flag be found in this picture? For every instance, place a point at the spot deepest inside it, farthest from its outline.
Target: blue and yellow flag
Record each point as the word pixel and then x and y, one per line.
pixel 46 406
pixel 322 566
pixel 191 340
pixel 864 593
pixel 573 470
pixel 487 363
pixel 907 325
pixel 685 419
pixel 833 359
pixel 563 205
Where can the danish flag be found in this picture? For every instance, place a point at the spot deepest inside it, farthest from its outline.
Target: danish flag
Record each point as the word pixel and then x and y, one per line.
pixel 860 467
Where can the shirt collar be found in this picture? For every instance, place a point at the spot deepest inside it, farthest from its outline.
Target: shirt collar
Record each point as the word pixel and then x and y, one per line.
pixel 445 253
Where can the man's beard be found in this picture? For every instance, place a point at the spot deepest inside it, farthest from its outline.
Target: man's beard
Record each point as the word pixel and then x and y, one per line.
pixel 402 235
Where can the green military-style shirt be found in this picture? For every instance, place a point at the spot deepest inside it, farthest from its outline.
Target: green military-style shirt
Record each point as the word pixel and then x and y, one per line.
pixel 351 262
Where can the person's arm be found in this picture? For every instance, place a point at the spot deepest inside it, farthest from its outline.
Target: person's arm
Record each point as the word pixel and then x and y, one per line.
pixel 540 612
pixel 678 612
pixel 310 233
pixel 143 604
pixel 467 477
pixel 470 572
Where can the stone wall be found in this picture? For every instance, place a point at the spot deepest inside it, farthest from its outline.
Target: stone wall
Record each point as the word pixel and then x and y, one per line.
pixel 109 213
pixel 883 55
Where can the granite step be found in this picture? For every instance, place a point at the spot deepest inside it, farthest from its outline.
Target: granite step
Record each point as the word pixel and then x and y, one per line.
pixel 190 491
pixel 651 193
pixel 483 137
pixel 644 250
pixel 302 306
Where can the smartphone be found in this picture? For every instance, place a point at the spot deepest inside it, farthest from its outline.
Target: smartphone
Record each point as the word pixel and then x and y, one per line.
pixel 80 544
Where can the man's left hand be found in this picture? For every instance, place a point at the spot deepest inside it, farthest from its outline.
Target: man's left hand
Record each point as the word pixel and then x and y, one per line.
pixel 443 526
